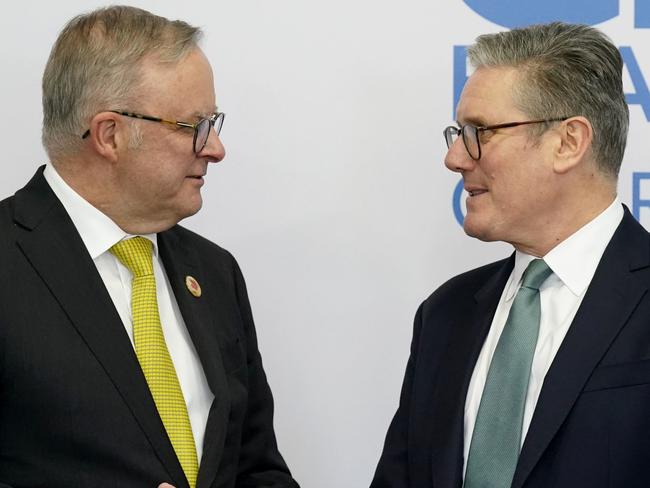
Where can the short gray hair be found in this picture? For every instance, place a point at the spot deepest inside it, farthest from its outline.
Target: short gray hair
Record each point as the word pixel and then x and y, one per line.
pixel 95 65
pixel 565 70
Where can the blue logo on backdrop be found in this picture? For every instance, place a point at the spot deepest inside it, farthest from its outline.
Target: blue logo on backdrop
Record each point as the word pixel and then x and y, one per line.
pixel 516 13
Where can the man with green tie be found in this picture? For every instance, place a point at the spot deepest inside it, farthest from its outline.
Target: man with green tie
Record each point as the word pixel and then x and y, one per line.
pixel 534 371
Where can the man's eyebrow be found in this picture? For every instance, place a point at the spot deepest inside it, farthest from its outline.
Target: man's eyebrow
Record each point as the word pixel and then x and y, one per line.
pixel 475 121
pixel 201 115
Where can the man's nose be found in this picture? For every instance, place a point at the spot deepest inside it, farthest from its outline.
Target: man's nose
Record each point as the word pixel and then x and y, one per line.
pixel 213 150
pixel 457 158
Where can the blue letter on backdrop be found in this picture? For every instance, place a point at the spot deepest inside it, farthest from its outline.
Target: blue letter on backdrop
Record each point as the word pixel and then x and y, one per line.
pixel 642 95
pixel 637 201
pixel 642 14
pixel 460 74
pixel 455 203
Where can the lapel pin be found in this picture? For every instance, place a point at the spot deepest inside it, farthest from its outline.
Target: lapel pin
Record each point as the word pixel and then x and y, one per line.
pixel 193 286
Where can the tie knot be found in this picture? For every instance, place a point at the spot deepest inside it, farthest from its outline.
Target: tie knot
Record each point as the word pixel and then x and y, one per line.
pixel 135 253
pixel 535 274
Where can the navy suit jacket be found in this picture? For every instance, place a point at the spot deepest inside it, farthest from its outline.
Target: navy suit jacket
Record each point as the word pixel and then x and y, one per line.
pixel 75 409
pixel 591 425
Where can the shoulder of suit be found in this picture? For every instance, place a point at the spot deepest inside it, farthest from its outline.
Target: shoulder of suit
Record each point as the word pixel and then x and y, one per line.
pixel 200 243
pixel 7 221
pixel 468 283
pixel 5 208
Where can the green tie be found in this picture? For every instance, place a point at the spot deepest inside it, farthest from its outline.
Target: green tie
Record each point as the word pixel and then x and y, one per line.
pixel 152 353
pixel 496 439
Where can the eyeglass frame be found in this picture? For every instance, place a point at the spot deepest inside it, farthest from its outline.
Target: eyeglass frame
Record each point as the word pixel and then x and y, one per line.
pixel 461 131
pixel 212 121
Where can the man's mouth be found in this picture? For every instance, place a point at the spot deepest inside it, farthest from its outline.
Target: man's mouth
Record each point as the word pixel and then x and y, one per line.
pixel 473 192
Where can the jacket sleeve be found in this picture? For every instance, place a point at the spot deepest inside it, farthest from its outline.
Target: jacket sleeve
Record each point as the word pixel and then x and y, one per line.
pixel 393 468
pixel 260 464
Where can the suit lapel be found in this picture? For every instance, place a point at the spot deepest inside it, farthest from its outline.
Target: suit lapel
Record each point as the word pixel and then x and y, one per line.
pixel 54 248
pixel 200 316
pixel 461 350
pixel 594 327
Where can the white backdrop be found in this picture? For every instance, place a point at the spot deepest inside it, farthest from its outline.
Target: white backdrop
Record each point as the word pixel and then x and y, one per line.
pixel 333 195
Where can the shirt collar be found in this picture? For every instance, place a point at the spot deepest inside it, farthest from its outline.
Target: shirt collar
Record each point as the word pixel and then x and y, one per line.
pixel 574 260
pixel 98 232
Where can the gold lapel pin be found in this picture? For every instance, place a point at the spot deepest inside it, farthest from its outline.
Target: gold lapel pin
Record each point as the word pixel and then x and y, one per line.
pixel 193 286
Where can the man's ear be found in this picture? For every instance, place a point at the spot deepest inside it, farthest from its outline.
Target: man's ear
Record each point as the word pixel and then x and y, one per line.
pixel 575 138
pixel 106 135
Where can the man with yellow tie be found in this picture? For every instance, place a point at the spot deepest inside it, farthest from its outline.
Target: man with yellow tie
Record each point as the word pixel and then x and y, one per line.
pixel 128 355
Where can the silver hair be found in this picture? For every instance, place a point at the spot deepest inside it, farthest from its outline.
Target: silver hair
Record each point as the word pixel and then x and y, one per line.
pixel 565 70
pixel 96 64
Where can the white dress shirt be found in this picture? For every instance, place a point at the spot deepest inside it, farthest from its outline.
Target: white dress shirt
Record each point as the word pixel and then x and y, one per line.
pixel 99 233
pixel 573 263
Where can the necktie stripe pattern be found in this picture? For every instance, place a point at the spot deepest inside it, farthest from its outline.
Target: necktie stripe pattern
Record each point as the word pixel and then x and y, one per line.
pixel 153 355
pixel 496 439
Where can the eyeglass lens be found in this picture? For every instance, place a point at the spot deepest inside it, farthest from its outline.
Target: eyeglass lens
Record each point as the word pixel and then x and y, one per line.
pixel 470 139
pixel 203 131
pixel 469 133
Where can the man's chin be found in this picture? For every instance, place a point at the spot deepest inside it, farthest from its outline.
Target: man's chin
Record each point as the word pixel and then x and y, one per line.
pixel 178 213
pixel 192 204
pixel 477 230
pixel 189 211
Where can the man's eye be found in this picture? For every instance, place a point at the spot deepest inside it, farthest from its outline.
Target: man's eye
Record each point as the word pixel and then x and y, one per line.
pixel 485 135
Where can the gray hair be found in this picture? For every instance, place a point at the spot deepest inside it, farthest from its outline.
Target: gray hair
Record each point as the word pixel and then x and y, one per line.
pixel 565 70
pixel 95 65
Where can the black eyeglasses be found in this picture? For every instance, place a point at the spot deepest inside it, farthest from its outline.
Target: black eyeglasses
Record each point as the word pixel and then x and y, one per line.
pixel 470 134
pixel 201 128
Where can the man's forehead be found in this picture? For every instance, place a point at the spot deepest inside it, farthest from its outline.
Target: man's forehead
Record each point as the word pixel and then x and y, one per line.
pixel 487 96
pixel 180 89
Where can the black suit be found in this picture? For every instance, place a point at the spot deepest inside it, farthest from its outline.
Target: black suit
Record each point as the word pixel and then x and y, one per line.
pixel 75 409
pixel 591 425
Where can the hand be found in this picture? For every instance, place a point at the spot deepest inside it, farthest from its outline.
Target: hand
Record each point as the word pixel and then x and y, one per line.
pixel 165 485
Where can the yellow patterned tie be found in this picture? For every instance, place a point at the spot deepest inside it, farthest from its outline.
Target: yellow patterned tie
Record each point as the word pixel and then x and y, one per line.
pixel 152 353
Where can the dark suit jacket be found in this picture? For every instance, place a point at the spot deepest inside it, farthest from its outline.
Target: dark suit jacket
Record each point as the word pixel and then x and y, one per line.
pixel 591 425
pixel 75 409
